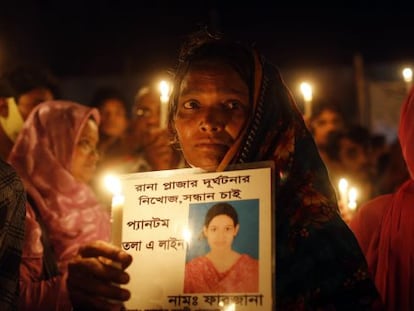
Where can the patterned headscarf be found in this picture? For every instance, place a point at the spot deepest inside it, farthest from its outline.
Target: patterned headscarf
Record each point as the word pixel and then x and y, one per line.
pixel 319 264
pixel 42 156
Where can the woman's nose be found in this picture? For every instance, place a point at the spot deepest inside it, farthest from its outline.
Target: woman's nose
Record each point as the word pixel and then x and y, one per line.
pixel 213 121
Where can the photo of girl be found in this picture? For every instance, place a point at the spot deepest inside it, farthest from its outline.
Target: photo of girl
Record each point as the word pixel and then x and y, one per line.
pixel 225 267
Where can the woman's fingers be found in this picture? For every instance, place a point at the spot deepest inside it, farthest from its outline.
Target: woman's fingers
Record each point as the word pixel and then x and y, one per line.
pixel 105 250
pixel 95 275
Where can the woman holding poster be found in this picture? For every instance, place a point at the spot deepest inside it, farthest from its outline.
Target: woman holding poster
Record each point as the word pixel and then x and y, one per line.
pixel 222 269
pixel 229 105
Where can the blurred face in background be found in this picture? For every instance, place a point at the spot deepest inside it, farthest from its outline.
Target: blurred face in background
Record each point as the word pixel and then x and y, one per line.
pixel 85 155
pixel 354 157
pixel 114 119
pixel 27 101
pixel 327 121
pixel 146 117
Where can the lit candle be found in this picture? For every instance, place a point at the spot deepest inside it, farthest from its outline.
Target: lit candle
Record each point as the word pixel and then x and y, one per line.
pixel 114 185
pixel 306 89
pixel 352 196
pixel 343 191
pixel 408 77
pixel 165 90
pixel 118 201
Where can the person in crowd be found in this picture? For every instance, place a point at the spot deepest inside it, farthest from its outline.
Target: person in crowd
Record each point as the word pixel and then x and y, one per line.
pixel 350 150
pixel 144 146
pixel 12 215
pixel 55 155
pixel 384 228
pixel 229 105
pixel 21 89
pixel 113 109
pixel 222 269
pixel 326 117
pixel 392 170
pixel 152 150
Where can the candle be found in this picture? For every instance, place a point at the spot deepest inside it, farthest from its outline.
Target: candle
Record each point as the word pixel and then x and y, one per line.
pixel 343 192
pixel 118 201
pixel 307 97
pixel 113 184
pixel 164 89
pixel 408 77
pixel 352 196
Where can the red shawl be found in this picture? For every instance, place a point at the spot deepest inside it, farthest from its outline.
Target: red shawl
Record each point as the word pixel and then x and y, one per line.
pixel 384 228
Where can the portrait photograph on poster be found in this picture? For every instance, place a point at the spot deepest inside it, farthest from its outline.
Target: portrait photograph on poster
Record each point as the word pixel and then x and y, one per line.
pixel 200 240
pixel 223 257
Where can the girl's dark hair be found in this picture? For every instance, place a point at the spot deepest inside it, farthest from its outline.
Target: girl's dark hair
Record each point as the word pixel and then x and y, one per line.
pixel 204 48
pixel 221 208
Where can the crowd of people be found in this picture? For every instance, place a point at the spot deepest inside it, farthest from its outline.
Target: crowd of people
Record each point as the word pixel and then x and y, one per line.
pixel 228 105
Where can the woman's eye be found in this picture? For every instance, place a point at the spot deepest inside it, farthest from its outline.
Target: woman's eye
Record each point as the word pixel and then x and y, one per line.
pixel 191 105
pixel 233 105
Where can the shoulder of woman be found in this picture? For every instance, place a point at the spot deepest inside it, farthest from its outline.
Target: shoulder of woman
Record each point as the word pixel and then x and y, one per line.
pixel 372 211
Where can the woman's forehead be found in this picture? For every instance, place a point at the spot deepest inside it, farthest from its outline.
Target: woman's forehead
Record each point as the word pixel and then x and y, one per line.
pixel 223 78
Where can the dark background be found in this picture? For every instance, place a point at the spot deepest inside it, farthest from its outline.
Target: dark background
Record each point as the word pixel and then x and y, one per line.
pixel 110 37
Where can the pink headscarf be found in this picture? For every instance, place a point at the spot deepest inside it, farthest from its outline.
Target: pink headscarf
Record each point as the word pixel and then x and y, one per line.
pixel 42 156
pixel 394 271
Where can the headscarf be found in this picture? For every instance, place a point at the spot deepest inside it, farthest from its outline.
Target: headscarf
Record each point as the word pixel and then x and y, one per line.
pixel 319 264
pixel 12 212
pixel 393 260
pixel 42 156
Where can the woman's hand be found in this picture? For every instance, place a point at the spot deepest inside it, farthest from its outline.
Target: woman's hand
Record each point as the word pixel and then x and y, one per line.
pixel 159 153
pixel 94 277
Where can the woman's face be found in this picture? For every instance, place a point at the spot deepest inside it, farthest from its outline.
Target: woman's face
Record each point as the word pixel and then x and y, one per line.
pixel 85 155
pixel 113 118
pixel 146 119
pixel 220 232
pixel 213 105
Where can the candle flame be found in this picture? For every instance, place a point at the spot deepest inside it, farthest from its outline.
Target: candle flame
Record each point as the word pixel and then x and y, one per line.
pixel 343 185
pixel 113 184
pixel 165 90
pixel 352 196
pixel 407 74
pixel 306 90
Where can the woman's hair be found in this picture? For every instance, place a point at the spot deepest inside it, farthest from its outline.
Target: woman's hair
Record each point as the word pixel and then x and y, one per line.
pixel 104 93
pixel 203 48
pixel 27 77
pixel 221 208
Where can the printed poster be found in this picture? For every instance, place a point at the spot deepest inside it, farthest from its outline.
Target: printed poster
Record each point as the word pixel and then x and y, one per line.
pixel 178 224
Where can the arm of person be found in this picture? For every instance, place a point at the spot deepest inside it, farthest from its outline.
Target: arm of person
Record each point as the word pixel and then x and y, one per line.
pixel 95 276
pixel 36 292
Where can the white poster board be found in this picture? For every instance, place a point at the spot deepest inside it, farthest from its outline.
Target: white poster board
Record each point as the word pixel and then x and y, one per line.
pixel 163 220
